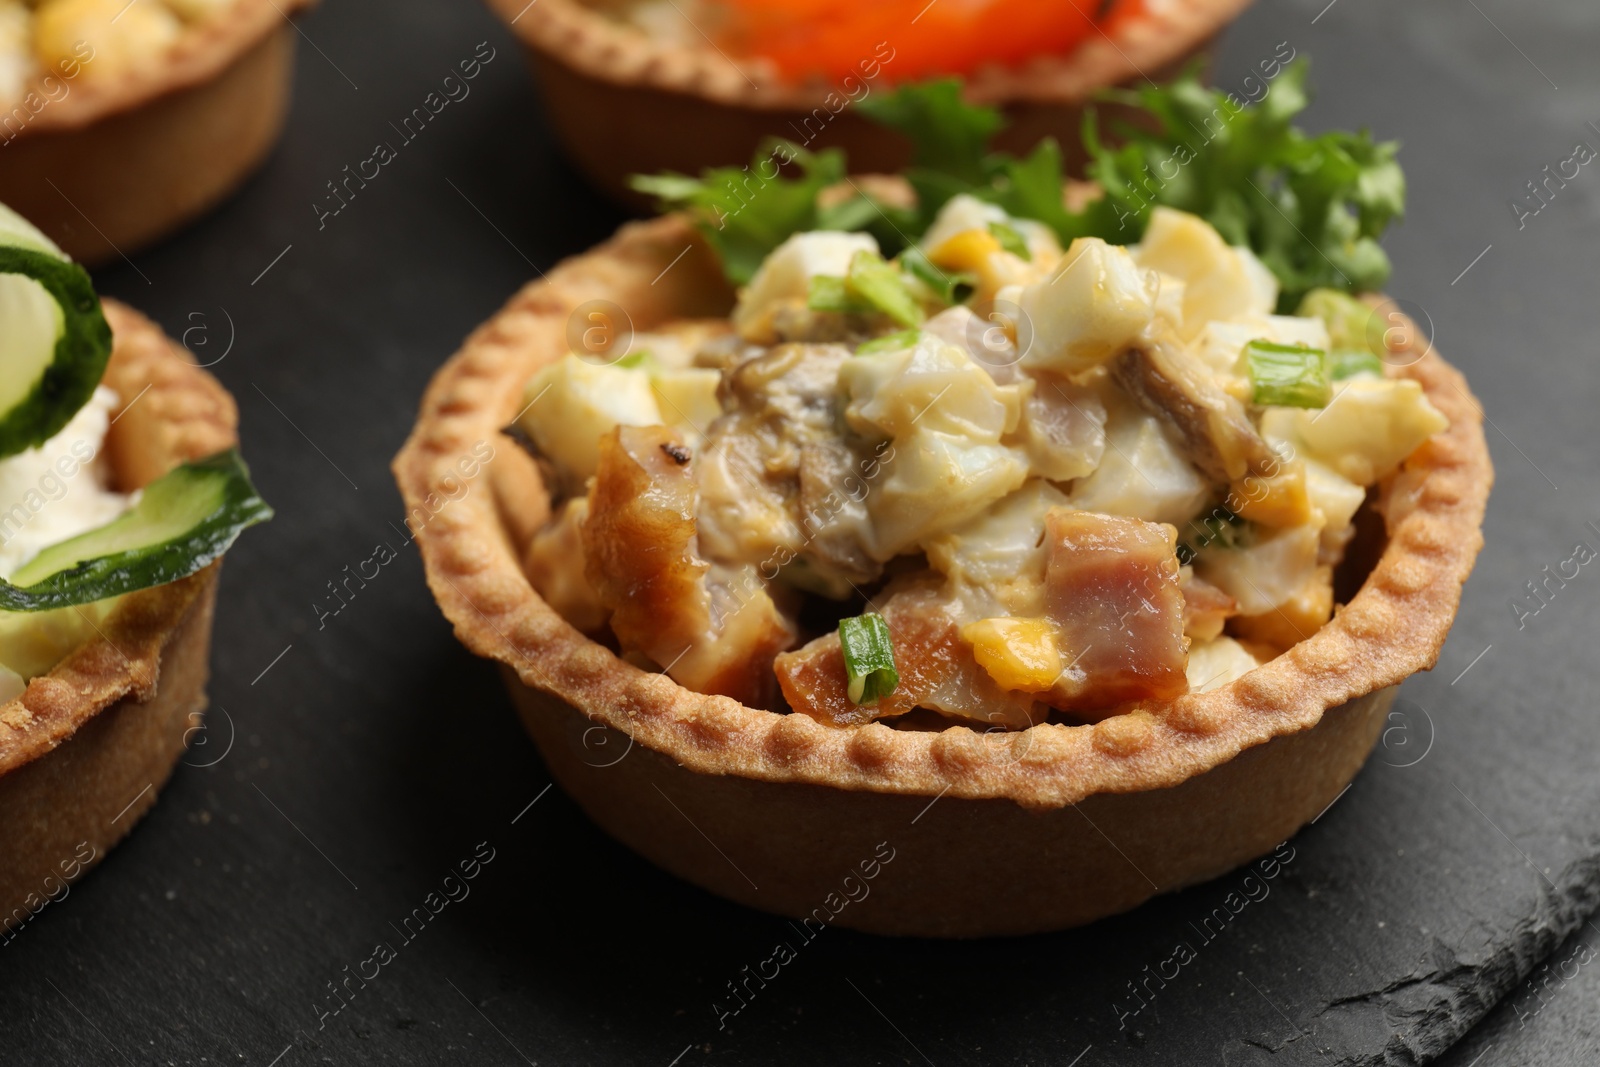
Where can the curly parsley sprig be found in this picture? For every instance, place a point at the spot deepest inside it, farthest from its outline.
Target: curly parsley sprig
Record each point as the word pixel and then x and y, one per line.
pixel 1312 207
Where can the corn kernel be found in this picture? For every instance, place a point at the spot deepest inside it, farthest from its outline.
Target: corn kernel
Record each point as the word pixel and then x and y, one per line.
pixel 1280 500
pixel 967 250
pixel 1019 654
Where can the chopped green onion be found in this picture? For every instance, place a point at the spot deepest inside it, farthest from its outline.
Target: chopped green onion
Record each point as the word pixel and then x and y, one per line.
pixel 890 342
pixel 1349 321
pixel 868 657
pixel 881 285
pixel 1221 529
pixel 637 360
pixel 1349 363
pixel 949 286
pixel 1011 241
pixel 829 292
pixel 1290 376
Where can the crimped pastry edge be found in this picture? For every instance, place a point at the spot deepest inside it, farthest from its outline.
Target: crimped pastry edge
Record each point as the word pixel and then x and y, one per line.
pixel 196 417
pixel 1392 628
pixel 575 34
pixel 199 54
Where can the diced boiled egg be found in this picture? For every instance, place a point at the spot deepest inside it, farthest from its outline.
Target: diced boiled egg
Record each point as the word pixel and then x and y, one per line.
pixel 572 403
pixel 1336 497
pixel 1094 303
pixel 1220 281
pixel 785 276
pixel 1215 663
pixel 1142 473
pixel 937 481
pixel 1265 574
pixel 1220 345
pixel 1365 432
pixel 962 213
pixel 932 385
pixel 687 398
pixel 1001 551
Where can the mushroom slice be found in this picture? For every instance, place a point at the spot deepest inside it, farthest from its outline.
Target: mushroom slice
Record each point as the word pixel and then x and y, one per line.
pixel 777 484
pixel 1217 433
pixel 716 629
pixel 1112 589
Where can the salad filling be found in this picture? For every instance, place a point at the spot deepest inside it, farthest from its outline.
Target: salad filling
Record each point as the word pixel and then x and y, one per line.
pixel 46 44
pixel 1007 471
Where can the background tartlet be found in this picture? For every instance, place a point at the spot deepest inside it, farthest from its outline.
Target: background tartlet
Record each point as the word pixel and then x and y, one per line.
pixel 87 747
pixel 115 164
pixel 622 103
pixel 1032 830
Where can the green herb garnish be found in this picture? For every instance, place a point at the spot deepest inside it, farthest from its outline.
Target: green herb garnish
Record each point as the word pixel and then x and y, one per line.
pixel 946 286
pixel 1010 241
pixel 1352 325
pixel 868 658
pixel 1311 207
pixel 882 286
pixel 641 360
pixel 829 292
pixel 889 342
pixel 1288 376
pixel 1222 529
pixel 746 212
pixel 871 286
pixel 1349 363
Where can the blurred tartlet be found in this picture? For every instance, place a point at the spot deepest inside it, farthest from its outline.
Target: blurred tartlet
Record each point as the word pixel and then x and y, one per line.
pixel 120 488
pixel 121 122
pixel 647 86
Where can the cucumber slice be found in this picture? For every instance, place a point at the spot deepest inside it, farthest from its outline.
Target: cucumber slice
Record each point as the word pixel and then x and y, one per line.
pixel 183 521
pixel 54 341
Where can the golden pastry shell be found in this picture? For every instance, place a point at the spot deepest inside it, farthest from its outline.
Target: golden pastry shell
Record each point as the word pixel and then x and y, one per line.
pixel 1392 628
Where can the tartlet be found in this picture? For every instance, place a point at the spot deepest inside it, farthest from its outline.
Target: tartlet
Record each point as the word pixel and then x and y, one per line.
pixel 990 833
pixel 623 103
pixel 121 487
pixel 87 747
pixel 108 166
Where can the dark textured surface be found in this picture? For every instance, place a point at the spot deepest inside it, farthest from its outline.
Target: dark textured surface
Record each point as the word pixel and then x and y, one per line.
pixel 355 759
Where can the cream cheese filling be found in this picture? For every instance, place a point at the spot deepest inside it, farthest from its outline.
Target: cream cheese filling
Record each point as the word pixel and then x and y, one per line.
pixel 47 495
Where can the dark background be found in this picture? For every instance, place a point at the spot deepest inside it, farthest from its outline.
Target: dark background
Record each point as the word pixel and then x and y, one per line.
pixel 348 768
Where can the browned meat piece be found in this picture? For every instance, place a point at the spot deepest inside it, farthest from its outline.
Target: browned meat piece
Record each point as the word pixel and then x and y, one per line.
pixel 1205 607
pixel 555 566
pixel 1111 588
pixel 1218 436
pixel 936 668
pixel 715 632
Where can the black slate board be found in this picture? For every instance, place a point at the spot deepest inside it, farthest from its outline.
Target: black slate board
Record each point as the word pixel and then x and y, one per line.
pixel 352 762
